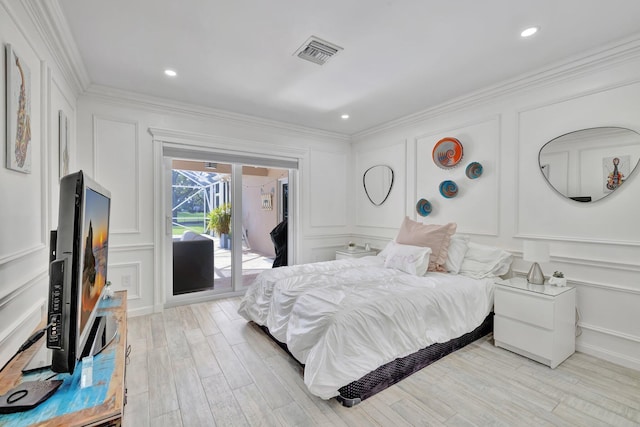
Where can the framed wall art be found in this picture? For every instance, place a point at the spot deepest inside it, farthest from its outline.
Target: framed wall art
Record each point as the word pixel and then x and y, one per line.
pixel 63 143
pixel 18 92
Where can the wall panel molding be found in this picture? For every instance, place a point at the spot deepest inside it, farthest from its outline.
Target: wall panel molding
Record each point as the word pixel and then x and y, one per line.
pixel 632 243
pixel 130 270
pixel 608 104
pixel 608 265
pixel 132 247
pixel 14 293
pixel 27 321
pixel 4 259
pixel 480 132
pixel 590 262
pixel 39 166
pixel 611 332
pixel 605 286
pixel 104 176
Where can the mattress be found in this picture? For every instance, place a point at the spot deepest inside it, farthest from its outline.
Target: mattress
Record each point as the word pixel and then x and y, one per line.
pixel 344 319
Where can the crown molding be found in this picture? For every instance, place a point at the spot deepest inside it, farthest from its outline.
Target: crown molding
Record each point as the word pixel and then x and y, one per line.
pixel 163 105
pixel 52 27
pixel 589 62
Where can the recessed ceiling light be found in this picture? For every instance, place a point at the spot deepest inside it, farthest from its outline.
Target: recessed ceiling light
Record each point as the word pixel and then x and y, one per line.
pixel 170 73
pixel 344 116
pixel 529 32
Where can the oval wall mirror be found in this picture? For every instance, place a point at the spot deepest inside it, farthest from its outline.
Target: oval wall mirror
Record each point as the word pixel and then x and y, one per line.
pixel 590 164
pixel 378 181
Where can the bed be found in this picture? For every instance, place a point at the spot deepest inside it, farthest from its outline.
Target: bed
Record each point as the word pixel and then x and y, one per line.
pixel 360 325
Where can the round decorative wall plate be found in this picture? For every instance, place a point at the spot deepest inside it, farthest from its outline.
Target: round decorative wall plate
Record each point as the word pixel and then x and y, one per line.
pixel 474 170
pixel 448 189
pixel 423 207
pixel 447 153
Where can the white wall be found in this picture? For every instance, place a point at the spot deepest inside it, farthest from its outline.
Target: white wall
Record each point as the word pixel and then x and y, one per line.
pixel 116 147
pixel 596 245
pixel 29 201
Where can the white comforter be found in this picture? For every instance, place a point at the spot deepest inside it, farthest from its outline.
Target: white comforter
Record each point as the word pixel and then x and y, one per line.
pixel 345 318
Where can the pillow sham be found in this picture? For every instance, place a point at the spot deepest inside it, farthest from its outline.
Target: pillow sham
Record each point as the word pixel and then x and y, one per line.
pixel 410 259
pixel 385 251
pixel 482 261
pixel 457 249
pixel 436 237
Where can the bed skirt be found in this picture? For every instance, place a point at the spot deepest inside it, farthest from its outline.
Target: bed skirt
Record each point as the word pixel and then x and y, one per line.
pixel 398 369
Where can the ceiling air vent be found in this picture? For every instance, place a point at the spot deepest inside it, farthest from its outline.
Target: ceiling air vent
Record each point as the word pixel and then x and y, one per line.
pixel 317 50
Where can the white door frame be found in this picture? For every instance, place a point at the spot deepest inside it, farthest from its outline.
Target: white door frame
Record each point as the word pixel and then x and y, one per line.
pixel 210 146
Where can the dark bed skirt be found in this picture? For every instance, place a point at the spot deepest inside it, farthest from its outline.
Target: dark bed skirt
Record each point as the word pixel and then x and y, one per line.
pixel 398 369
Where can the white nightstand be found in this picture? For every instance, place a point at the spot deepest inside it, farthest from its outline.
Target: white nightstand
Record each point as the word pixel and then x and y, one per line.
pixel 358 252
pixel 536 321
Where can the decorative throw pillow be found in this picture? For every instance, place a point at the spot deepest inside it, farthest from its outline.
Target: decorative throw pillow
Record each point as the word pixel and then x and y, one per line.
pixel 410 259
pixel 457 249
pixel 436 237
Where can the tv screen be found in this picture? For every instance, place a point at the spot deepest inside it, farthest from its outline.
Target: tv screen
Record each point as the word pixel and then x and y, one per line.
pixel 95 239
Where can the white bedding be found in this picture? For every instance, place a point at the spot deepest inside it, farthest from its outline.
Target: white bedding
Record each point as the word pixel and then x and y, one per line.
pixel 345 318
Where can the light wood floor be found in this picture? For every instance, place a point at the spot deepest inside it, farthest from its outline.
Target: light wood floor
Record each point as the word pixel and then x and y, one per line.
pixel 203 365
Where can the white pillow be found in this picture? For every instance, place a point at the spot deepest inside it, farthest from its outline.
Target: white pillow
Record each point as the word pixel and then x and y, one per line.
pixel 482 261
pixel 384 252
pixel 410 259
pixel 457 250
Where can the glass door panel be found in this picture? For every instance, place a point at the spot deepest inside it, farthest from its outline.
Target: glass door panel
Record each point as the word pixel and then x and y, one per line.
pixel 264 235
pixel 201 225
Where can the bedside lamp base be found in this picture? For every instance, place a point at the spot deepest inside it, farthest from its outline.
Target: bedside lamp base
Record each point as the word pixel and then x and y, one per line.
pixel 535 275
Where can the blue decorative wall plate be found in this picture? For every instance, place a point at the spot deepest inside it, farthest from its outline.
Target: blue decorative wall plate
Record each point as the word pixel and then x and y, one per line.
pixel 447 153
pixel 448 189
pixel 423 207
pixel 474 170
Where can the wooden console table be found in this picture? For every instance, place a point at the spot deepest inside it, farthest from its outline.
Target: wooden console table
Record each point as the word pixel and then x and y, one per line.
pixel 100 404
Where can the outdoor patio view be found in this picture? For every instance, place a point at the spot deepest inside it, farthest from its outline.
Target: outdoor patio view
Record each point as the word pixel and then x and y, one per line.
pixel 201 218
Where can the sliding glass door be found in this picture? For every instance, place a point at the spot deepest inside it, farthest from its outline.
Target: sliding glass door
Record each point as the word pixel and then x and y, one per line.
pixel 228 224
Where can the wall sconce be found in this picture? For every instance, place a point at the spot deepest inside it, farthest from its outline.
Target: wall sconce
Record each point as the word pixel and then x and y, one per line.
pixel 535 252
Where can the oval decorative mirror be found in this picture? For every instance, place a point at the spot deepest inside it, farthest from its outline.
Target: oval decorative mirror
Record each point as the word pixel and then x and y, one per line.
pixel 378 181
pixel 590 164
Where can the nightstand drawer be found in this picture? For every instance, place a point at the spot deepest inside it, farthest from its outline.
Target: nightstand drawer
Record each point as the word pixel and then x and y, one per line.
pixel 523 336
pixel 527 308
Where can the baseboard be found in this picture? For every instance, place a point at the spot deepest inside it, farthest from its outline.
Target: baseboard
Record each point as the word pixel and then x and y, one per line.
pixel 610 356
pixel 140 311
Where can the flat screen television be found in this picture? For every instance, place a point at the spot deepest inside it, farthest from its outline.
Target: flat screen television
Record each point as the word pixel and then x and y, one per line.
pixel 78 270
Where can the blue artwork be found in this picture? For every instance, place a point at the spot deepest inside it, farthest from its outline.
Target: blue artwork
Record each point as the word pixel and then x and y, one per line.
pixel 474 170
pixel 448 189
pixel 423 207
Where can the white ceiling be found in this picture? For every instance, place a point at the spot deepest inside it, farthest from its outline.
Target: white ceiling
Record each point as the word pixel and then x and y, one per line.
pixel 399 57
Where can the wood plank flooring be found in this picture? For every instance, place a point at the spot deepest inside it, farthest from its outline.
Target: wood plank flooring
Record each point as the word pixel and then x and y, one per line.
pixel 203 365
